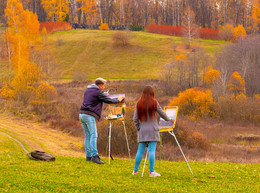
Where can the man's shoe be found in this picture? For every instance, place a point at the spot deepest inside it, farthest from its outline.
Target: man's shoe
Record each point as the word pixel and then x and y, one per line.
pixel 88 159
pixel 154 174
pixel 96 159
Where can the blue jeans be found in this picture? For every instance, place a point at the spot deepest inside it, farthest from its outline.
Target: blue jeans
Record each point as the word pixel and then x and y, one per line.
pixel 88 123
pixel 151 154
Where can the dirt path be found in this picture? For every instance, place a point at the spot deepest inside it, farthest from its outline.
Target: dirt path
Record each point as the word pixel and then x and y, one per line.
pixel 34 136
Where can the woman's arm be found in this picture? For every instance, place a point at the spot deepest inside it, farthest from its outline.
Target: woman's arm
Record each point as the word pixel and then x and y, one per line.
pixel 162 113
pixel 136 121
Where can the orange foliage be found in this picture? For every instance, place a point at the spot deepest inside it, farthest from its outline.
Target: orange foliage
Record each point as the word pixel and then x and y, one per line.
pixel 56 9
pixel 209 33
pixel 181 57
pixel 236 84
pixel 55 26
pixel 211 76
pixel 194 102
pixel 165 29
pixel 254 18
pixel 46 92
pixel 23 33
pixel 205 33
pixel 104 26
pixel 239 32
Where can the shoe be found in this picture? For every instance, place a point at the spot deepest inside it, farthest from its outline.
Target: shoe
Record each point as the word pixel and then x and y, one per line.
pixel 96 159
pixel 154 174
pixel 134 173
pixel 88 159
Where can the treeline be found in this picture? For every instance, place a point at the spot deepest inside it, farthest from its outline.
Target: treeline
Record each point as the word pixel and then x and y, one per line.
pixel 208 13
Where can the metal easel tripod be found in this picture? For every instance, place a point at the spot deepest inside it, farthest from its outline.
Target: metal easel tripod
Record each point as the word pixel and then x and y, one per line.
pixel 109 139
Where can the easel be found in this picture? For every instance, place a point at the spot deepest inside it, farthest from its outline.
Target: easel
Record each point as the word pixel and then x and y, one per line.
pixel 170 131
pixel 109 137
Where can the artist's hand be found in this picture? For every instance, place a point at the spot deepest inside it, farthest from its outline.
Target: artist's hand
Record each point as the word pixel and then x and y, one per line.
pixel 120 99
pixel 106 93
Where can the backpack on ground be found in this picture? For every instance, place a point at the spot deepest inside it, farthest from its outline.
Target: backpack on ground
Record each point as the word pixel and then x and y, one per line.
pixel 41 155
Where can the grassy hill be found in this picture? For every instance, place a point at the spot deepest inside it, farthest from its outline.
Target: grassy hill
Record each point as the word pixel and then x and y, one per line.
pixel 71 173
pixel 93 52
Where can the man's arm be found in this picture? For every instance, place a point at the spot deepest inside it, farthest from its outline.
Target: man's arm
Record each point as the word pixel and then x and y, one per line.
pixel 104 98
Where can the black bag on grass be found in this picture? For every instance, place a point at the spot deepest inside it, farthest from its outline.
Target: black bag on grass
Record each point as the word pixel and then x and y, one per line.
pixel 41 155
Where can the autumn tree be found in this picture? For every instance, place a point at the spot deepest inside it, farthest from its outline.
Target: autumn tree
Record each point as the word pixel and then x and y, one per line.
pixel 87 10
pixel 235 83
pixel 57 10
pixel 226 32
pixel 239 32
pixel 211 76
pixel 190 30
pixel 254 18
pixel 22 36
pixel 194 102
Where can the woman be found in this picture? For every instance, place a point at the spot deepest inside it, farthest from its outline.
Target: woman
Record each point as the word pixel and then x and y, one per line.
pixel 147 127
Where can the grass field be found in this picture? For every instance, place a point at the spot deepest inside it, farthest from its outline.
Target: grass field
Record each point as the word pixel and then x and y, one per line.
pixel 93 52
pixel 71 173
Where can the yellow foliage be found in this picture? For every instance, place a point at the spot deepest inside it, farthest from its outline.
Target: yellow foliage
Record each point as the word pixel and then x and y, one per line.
pixel 236 83
pixel 239 32
pixel 6 92
pixel 211 76
pixel 104 26
pixel 22 34
pixel 56 9
pixel 46 92
pixel 194 102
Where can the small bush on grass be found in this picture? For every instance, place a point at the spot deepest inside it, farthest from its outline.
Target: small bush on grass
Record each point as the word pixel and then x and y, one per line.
pixel 120 39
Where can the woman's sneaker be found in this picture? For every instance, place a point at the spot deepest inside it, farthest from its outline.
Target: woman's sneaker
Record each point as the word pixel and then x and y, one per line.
pixel 154 174
pixel 134 173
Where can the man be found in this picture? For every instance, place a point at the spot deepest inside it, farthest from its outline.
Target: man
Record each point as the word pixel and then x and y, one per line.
pixel 90 111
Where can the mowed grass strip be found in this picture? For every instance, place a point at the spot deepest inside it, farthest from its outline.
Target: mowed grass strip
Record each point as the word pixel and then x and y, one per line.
pixel 72 174
pixel 93 52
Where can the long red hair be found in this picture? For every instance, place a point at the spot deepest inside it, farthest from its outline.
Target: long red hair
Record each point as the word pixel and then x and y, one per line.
pixel 146 104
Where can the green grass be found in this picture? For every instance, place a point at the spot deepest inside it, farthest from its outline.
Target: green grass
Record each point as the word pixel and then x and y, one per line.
pixel 69 174
pixel 92 52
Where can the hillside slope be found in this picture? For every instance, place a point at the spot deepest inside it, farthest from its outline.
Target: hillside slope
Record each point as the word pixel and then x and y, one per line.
pixel 38 136
pixel 93 52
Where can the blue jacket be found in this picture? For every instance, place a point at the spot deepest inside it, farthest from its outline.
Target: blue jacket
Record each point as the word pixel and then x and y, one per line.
pixel 93 101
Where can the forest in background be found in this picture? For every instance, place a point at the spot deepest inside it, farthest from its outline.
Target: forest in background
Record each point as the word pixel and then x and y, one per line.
pixel 207 13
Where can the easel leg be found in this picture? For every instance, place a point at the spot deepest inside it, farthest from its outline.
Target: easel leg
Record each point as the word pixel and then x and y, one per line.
pixel 145 162
pixel 127 141
pixel 109 145
pixel 160 152
pixel 172 133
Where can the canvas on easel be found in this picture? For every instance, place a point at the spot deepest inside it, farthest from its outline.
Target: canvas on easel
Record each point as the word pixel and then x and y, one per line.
pixel 171 112
pixel 117 111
